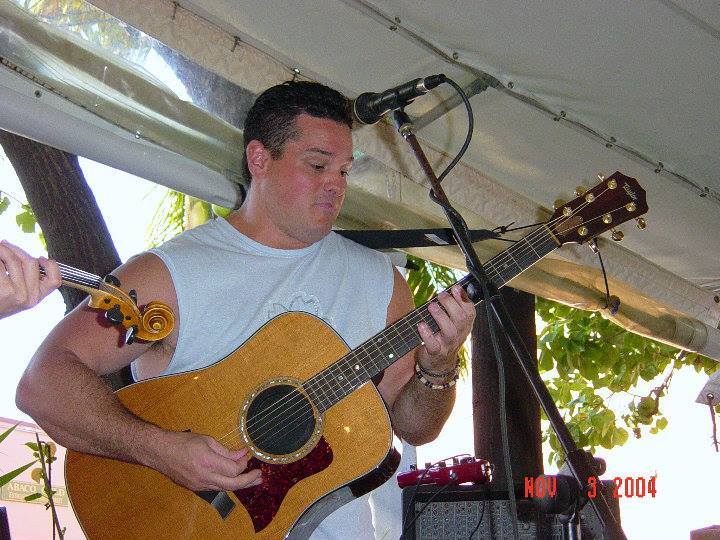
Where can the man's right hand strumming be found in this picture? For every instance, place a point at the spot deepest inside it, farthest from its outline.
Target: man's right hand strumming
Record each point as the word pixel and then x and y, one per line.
pixel 199 462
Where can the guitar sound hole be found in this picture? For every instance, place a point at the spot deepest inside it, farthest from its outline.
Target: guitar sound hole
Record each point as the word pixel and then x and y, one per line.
pixel 280 420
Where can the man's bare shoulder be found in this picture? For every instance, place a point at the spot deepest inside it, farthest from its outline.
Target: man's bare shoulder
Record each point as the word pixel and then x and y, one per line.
pixel 100 346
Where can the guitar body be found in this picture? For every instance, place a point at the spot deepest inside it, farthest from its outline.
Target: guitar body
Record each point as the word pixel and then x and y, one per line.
pixel 354 454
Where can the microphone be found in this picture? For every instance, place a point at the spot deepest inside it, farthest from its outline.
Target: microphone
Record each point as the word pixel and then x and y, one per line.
pixel 370 106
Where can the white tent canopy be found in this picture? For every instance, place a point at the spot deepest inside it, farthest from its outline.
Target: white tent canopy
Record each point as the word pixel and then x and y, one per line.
pixel 578 88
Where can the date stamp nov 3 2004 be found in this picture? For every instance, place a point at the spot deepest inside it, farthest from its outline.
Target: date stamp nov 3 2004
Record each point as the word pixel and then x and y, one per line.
pixel 627 487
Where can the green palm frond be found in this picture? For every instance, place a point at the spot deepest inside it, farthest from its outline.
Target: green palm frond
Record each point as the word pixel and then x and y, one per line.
pixel 169 219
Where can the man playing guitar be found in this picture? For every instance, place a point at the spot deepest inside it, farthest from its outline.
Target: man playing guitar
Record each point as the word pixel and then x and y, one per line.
pixel 224 280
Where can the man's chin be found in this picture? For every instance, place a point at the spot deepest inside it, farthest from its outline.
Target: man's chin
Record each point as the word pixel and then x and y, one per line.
pixel 315 234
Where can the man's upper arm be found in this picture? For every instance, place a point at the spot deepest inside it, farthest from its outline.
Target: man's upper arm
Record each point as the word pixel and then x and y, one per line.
pixel 101 348
pixel 398 374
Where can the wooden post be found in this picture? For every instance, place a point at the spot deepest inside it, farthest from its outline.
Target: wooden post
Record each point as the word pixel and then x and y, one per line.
pixel 523 411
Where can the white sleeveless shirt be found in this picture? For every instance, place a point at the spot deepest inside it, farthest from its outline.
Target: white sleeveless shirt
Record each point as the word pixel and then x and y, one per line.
pixel 228 286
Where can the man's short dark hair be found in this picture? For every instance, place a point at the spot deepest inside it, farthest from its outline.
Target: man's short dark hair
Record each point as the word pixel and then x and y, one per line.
pixel 271 119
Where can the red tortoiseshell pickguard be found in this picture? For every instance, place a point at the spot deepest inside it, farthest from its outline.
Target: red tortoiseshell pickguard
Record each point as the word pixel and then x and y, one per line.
pixel 262 502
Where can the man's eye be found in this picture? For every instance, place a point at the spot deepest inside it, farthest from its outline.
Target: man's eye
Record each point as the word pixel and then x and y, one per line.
pixel 317 166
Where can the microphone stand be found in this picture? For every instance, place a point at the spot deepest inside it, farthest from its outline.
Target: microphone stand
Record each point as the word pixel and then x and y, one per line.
pixel 579 461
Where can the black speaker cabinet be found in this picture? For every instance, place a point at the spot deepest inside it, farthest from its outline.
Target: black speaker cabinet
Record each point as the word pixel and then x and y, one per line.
pixel 456 512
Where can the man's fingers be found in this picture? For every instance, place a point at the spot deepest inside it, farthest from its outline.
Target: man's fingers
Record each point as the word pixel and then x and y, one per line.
pixel 13 264
pixel 52 279
pixel 23 274
pixel 463 300
pixel 241 481
pixel 225 451
pixel 432 344
pixel 245 480
pixel 446 326
pixel 228 463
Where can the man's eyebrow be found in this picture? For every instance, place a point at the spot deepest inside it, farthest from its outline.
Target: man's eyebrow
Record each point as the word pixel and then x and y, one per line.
pixel 325 153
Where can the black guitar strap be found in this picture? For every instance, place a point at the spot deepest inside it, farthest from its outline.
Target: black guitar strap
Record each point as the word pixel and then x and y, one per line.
pixel 406 238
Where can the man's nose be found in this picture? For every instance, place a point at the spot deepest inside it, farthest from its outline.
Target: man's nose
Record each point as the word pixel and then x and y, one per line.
pixel 336 182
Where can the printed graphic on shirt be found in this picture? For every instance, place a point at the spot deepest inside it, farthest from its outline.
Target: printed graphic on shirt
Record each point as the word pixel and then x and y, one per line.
pixel 299 301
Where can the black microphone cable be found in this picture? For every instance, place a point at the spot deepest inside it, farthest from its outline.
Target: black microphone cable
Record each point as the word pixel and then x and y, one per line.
pixel 419 513
pixel 477 526
pixel 492 327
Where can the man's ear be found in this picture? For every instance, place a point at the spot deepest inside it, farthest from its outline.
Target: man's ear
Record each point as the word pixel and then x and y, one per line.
pixel 257 157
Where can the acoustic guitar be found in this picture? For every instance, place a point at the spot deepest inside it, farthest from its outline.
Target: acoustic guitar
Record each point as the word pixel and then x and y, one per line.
pixel 303 403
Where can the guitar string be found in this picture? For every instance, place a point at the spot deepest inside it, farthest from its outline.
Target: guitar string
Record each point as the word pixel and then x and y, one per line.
pixel 341 365
pixel 542 232
pixel 353 355
pixel 303 415
pixel 343 384
pixel 295 396
pixel 347 387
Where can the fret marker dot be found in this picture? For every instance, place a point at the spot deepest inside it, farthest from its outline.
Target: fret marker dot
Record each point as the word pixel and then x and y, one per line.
pixel 357 367
pixel 391 355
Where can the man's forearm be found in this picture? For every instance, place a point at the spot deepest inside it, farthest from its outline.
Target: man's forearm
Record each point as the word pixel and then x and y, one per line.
pixel 79 411
pixel 419 412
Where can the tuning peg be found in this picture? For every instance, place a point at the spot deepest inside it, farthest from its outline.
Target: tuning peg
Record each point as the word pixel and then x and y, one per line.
pixel 580 190
pixel 617 235
pixel 559 203
pixel 641 223
pixel 130 334
pixel 112 280
pixel 114 315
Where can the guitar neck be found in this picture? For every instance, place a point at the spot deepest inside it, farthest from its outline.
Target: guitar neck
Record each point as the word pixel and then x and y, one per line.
pixel 357 367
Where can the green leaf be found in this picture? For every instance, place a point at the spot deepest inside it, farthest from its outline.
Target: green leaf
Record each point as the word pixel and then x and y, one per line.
pixel 620 437
pixel 33 497
pixel 4 204
pixel 26 220
pixel 221 210
pixel 7 477
pixel 545 363
pixel 32 446
pixel 7 432
pixel 646 407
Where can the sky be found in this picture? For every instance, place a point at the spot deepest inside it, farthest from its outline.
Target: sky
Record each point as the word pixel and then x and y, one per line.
pixel 682 457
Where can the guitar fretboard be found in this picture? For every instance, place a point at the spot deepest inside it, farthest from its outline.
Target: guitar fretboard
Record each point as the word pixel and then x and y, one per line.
pixel 357 367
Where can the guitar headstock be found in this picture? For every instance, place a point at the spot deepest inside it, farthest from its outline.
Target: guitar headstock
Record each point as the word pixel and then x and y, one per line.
pixel 613 201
